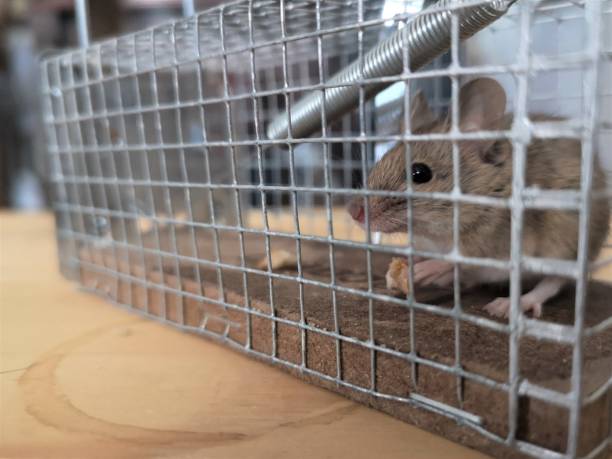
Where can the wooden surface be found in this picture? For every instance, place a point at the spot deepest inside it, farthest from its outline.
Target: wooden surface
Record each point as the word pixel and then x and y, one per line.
pixel 80 378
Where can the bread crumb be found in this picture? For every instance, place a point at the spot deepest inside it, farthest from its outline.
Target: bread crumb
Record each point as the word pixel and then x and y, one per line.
pixel 145 225
pixel 279 259
pixel 181 219
pixel 397 275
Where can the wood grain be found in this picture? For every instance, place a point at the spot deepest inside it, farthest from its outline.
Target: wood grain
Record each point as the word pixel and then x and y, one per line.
pixel 81 379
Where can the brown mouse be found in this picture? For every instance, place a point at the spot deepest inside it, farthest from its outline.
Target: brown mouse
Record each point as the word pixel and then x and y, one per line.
pixel 485 169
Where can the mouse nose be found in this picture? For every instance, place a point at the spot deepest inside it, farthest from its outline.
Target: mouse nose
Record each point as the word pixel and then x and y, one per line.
pixel 355 208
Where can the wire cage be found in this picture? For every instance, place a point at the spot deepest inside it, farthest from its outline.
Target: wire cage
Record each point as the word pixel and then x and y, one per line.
pixel 201 170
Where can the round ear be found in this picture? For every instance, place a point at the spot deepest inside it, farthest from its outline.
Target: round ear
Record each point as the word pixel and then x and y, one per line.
pixel 482 104
pixel 420 113
pixel 497 154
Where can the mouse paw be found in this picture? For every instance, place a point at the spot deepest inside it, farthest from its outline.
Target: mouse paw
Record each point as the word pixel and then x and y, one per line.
pixel 533 306
pixel 500 307
pixel 430 272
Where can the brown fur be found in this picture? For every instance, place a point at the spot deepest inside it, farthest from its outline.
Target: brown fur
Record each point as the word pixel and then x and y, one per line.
pixel 486 169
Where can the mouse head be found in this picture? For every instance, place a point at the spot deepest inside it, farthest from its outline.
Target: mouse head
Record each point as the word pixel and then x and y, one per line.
pixel 484 164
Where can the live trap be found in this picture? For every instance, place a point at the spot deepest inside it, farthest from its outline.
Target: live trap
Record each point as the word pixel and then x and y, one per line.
pixel 201 169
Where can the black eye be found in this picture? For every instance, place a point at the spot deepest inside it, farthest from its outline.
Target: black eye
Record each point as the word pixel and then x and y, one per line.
pixel 421 173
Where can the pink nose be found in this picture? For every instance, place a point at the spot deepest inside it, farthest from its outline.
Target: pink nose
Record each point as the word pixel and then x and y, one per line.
pixel 355 208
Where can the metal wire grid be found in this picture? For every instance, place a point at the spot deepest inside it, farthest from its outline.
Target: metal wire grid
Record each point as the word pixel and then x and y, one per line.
pixel 97 123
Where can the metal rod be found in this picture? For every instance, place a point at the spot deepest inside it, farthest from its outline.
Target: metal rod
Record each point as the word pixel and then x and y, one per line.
pixel 188 8
pixel 427 36
pixel 589 142
pixel 81 12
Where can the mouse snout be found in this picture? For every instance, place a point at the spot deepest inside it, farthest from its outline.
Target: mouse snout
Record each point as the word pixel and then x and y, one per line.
pixel 356 210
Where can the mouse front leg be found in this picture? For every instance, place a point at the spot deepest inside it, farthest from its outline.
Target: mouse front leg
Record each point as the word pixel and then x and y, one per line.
pixel 530 301
pixel 433 272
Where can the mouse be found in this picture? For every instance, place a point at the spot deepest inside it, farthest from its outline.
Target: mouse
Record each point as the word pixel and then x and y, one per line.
pixel 485 169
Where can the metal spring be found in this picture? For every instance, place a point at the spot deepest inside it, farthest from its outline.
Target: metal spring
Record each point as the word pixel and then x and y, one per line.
pixel 427 36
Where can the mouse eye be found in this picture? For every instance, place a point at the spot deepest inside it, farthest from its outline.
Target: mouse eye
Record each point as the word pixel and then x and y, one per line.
pixel 421 173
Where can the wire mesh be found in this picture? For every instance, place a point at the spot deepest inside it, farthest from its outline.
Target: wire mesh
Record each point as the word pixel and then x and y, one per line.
pixel 171 200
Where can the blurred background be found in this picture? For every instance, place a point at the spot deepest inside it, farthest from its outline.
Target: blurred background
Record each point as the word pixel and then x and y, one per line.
pixel 30 29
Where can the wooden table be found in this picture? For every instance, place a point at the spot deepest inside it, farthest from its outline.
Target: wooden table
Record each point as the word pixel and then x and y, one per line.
pixel 80 378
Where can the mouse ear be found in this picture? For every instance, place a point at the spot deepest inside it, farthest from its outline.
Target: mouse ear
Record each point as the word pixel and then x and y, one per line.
pixel 420 113
pixel 482 104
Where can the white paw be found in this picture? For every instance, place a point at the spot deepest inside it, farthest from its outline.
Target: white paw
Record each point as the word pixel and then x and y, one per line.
pixel 534 307
pixel 500 307
pixel 432 271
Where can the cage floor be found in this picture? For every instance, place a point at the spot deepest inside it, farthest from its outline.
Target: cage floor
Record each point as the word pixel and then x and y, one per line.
pixel 482 351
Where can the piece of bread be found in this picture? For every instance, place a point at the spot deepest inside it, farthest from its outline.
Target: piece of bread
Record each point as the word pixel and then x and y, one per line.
pixel 280 259
pixel 397 275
